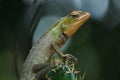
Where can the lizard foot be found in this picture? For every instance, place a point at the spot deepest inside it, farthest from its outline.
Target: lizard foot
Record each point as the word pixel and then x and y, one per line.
pixel 70 57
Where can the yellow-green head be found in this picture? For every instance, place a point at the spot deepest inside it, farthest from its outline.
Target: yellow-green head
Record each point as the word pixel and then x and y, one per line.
pixel 72 22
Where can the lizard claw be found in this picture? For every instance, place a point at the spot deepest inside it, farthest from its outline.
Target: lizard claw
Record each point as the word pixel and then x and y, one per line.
pixel 69 57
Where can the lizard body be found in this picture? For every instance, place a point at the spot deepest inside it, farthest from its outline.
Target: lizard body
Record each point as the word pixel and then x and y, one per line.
pixel 45 47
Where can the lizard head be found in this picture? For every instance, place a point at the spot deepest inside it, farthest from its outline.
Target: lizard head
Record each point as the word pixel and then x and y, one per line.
pixel 72 22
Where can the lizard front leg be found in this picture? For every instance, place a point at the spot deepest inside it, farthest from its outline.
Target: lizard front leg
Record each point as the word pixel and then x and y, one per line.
pixel 64 56
pixel 41 70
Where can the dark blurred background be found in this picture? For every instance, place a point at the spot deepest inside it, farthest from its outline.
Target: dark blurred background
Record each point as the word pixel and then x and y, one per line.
pixel 96 44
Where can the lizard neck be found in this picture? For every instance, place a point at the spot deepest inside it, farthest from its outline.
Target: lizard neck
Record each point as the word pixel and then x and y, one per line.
pixel 62 38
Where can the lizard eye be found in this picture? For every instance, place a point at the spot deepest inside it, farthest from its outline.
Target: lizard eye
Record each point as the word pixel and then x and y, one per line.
pixel 75 14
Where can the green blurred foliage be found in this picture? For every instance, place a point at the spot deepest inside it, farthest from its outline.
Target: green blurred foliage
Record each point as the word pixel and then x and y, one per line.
pixel 6 65
pixel 9 16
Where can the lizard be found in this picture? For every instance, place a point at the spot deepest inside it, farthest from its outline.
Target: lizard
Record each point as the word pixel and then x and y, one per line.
pixel 38 61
